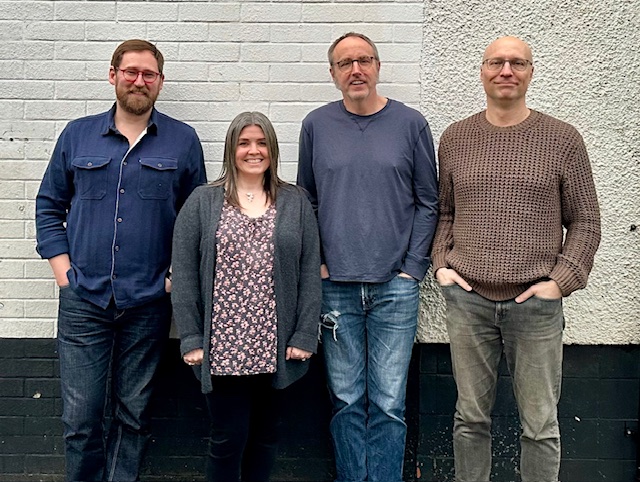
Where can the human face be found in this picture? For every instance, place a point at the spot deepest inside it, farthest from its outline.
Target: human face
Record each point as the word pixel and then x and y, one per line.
pixel 357 84
pixel 252 152
pixel 136 97
pixel 506 85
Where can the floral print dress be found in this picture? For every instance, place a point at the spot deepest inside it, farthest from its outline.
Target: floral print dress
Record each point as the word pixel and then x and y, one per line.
pixel 243 325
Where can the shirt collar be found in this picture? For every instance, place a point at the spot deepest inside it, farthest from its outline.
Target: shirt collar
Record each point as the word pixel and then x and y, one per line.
pixel 110 123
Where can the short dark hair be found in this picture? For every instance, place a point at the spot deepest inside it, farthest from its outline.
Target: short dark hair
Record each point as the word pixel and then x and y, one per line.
pixel 352 34
pixel 136 45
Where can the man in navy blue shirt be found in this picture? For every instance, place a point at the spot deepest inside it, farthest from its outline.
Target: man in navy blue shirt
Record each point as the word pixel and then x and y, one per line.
pixel 368 164
pixel 104 217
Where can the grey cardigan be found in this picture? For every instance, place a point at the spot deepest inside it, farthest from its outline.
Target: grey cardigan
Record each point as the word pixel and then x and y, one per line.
pixel 296 273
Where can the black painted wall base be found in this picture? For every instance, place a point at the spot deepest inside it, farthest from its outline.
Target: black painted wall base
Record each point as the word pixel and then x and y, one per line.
pixel 598 416
pixel 598 410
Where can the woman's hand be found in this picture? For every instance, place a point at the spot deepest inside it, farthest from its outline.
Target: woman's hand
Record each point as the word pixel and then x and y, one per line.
pixel 294 353
pixel 194 357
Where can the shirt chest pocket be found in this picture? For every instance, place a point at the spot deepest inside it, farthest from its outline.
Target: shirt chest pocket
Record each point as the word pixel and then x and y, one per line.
pixel 156 177
pixel 90 176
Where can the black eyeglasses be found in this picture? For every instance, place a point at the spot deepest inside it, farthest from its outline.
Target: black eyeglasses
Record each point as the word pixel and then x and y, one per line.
pixel 148 76
pixel 497 64
pixel 347 64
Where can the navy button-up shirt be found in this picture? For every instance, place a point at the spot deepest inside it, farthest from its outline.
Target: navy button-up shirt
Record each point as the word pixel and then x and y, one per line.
pixel 111 207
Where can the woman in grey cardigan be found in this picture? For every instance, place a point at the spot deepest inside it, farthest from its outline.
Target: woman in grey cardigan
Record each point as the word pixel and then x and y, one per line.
pixel 246 297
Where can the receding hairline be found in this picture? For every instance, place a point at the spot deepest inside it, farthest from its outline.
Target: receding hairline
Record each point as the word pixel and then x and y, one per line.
pixel 347 35
pixel 512 39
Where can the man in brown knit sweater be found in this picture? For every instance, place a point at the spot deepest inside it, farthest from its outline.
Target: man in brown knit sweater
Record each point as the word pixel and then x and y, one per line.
pixel 510 179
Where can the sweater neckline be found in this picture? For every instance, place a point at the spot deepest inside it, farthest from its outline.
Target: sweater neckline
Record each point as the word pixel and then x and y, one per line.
pixel 368 116
pixel 533 118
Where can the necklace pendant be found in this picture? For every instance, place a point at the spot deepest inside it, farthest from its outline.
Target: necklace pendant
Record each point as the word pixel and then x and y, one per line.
pixel 250 196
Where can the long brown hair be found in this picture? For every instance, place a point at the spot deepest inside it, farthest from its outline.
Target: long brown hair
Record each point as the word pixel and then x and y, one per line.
pixel 229 175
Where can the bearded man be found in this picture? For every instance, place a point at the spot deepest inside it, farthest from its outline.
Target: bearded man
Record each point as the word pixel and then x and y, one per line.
pixel 104 217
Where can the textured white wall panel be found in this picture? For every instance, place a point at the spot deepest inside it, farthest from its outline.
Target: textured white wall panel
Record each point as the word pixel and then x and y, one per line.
pixel 587 73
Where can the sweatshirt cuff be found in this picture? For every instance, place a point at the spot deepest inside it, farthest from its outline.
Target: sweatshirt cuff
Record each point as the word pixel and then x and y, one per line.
pixel 416 267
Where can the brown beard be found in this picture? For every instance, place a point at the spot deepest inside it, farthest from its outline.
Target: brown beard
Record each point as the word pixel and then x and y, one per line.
pixel 136 105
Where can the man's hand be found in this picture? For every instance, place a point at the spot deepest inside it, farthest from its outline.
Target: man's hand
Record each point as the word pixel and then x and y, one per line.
pixel 548 290
pixel 402 274
pixel 60 265
pixel 448 277
pixel 324 271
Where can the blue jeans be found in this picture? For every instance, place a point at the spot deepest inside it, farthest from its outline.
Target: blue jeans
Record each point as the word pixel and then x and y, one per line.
pixel 368 331
pixel 530 335
pixel 95 346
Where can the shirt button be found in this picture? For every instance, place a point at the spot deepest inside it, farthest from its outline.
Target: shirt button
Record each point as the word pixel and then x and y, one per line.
pixel 119 220
pixel 124 163
pixel 121 191
pixel 113 276
pixel 159 164
pixel 117 248
pixel 89 164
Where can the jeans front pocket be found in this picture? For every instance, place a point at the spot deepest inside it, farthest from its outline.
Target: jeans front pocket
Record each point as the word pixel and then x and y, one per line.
pixel 156 177
pixel 90 176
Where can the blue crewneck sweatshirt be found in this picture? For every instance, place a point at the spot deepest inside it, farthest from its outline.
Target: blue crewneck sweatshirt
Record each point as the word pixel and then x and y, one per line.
pixel 373 183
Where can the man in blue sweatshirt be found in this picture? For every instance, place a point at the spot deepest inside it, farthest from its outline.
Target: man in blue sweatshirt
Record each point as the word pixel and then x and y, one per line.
pixel 368 164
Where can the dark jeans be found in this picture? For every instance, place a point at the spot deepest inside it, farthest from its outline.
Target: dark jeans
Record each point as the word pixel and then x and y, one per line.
pixel 92 344
pixel 245 422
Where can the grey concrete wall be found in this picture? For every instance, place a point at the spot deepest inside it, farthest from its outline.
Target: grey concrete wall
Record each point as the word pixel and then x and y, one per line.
pixel 587 73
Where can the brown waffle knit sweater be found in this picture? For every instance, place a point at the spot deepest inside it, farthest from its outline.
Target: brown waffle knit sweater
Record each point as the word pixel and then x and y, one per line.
pixel 505 195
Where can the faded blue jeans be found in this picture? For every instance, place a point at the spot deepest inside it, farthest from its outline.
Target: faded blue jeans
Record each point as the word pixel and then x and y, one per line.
pixel 92 344
pixel 530 335
pixel 368 331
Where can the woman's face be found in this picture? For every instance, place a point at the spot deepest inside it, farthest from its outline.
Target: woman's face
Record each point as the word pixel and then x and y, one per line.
pixel 252 153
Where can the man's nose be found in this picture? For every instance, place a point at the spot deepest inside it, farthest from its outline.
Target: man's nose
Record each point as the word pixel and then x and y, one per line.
pixel 506 68
pixel 355 66
pixel 139 80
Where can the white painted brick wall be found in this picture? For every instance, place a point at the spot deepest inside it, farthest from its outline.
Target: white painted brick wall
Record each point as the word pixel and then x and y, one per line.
pixel 222 58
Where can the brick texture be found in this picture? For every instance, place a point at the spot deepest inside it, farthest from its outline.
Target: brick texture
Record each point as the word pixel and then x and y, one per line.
pixel 600 401
pixel 32 448
pixel 221 58
pixel 599 407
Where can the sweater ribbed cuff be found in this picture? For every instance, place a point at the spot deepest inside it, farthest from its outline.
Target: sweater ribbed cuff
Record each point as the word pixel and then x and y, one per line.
pixel 438 261
pixel 566 278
